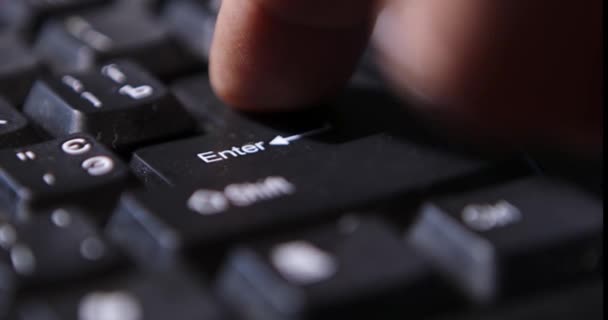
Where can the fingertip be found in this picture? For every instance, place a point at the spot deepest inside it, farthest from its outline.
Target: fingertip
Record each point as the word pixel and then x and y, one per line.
pixel 261 62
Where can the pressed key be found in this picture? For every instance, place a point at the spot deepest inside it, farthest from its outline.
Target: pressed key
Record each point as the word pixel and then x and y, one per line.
pixel 224 193
pixel 355 269
pixel 14 128
pixel 124 30
pixel 61 246
pixel 119 104
pixel 75 170
pixel 133 296
pixel 512 238
pixel 18 68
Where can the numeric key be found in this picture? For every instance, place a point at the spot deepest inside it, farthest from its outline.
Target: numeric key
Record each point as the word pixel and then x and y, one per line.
pixel 119 103
pixel 75 169
pixel 512 238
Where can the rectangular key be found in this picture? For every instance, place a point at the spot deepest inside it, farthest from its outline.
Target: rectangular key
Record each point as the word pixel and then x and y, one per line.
pixel 512 238
pixel 260 185
pixel 75 170
pixel 14 128
pixel 357 268
pixel 133 296
pixel 55 248
pixel 120 104
pixel 18 68
pixel 121 30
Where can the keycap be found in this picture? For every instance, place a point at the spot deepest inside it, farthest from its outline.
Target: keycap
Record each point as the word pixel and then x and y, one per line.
pixel 78 42
pixel 18 68
pixel 59 247
pixel 119 104
pixel 14 128
pixel 134 296
pixel 75 170
pixel 511 238
pixel 28 14
pixel 354 269
pixel 226 187
pixel 193 23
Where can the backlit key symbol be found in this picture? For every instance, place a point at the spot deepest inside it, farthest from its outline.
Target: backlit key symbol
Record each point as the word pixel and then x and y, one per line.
pixel 26 155
pixel 137 93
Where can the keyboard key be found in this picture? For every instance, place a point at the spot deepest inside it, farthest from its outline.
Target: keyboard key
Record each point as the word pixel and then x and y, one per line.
pixel 355 269
pixel 120 104
pixel 229 187
pixel 193 23
pixel 54 248
pixel 28 14
pixel 78 42
pixel 129 297
pixel 74 170
pixel 14 128
pixel 512 238
pixel 18 68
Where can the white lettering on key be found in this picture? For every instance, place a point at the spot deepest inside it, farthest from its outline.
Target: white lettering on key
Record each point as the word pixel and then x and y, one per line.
pixel 26 155
pixel 488 217
pixel 117 305
pixel 303 263
pixel 235 152
pixel 98 166
pixel 113 72
pixel 136 93
pixel 207 202
pixel 73 83
pixel 210 202
pixel 76 146
pixel 92 99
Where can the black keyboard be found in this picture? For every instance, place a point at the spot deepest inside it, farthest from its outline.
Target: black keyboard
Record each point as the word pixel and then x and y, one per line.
pixel 128 191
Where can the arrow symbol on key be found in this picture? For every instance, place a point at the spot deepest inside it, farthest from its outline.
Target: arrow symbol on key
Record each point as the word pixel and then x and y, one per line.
pixel 285 141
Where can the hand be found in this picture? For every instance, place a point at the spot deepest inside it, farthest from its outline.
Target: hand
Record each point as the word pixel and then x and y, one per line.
pixel 520 71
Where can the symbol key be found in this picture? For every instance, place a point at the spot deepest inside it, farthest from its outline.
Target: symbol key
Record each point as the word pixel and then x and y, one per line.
pixel 75 169
pixel 120 104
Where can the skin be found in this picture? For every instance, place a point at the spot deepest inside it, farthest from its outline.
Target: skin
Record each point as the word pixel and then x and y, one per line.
pixel 522 72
